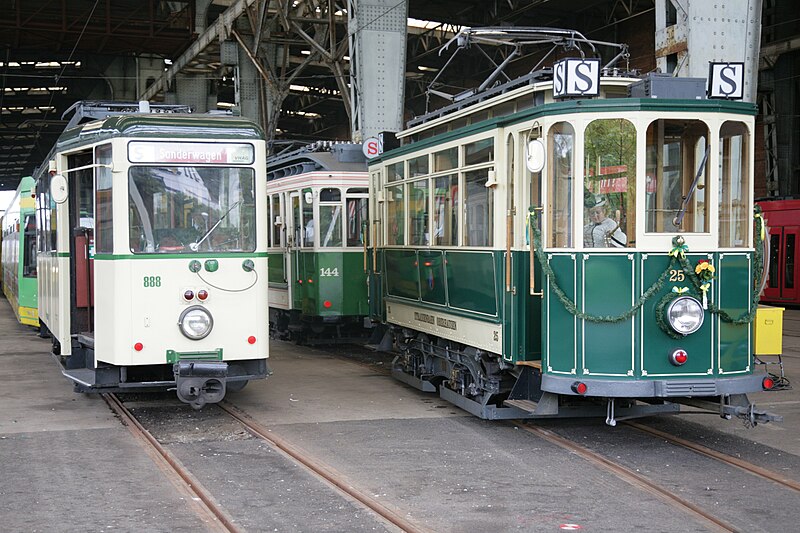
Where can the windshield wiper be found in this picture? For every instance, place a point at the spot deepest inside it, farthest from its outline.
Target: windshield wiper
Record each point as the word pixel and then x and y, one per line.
pixel 679 217
pixel 194 246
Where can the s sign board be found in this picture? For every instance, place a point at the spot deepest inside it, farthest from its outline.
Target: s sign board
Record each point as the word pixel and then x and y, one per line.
pixel 726 80
pixel 372 147
pixel 576 77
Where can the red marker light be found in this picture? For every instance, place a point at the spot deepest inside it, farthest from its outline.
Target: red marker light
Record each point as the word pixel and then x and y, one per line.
pixel 768 383
pixel 138 346
pixel 327 304
pixel 202 294
pixel 579 387
pixel 678 357
pixel 188 295
pixel 251 340
pixel 310 280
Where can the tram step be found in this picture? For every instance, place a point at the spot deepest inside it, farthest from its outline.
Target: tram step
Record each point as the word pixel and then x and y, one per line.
pixel 86 339
pixel 81 376
pixel 525 405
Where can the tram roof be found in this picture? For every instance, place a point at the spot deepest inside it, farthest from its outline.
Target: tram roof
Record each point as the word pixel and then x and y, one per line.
pixel 317 157
pixel 161 125
pixel 611 106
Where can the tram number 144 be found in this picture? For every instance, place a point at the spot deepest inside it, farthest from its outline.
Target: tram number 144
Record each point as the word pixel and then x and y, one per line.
pixel 329 272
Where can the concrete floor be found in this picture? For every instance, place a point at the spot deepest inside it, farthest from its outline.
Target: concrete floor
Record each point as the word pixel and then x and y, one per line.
pixel 69 465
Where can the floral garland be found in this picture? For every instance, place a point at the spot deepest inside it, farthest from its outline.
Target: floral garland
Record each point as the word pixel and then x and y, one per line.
pixel 700 276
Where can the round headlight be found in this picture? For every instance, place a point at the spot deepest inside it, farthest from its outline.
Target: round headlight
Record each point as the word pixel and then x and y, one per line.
pixel 195 322
pixel 685 314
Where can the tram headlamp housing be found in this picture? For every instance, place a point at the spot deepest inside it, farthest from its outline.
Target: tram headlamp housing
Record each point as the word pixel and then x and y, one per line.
pixel 195 322
pixel 685 315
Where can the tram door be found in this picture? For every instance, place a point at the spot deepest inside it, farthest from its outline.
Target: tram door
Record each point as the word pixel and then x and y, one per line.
pixel 782 283
pixel 81 248
pixel 293 243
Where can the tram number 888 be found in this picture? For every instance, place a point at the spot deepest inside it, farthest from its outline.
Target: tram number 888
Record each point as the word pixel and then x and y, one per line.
pixel 152 281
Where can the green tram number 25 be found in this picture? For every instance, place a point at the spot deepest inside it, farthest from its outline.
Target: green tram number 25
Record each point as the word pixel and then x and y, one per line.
pixel 152 281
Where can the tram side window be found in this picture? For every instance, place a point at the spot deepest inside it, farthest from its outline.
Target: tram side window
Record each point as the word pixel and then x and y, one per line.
pixel 357 215
pixel 104 231
pixel 478 208
pixel 82 184
pixel 418 166
pixel 307 199
pixel 789 253
pixel 29 253
pixel 445 210
pixel 46 215
pixel 395 215
pixel 676 151
pixel 418 213
pixel 330 218
pixel 276 212
pixel 734 212
pixel 561 143
pixel 609 185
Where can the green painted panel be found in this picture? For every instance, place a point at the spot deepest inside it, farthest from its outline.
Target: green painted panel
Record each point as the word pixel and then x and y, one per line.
pixel 402 278
pixel 472 281
pixel 608 348
pixel 331 284
pixel 376 287
pixel 657 345
pixel 276 267
pixel 560 337
pixel 346 292
pixel 431 276
pixel 733 293
pixel 522 315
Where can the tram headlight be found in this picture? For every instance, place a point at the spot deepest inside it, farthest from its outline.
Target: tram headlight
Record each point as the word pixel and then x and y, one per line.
pixel 685 315
pixel 195 322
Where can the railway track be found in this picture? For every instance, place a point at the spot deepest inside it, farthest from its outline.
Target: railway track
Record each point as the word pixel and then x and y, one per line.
pixel 667 495
pixel 212 512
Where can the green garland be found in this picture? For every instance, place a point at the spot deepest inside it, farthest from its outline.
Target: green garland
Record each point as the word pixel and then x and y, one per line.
pixel 677 257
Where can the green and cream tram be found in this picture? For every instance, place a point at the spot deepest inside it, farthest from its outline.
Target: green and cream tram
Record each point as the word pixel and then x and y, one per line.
pixel 152 254
pixel 318 197
pixel 545 258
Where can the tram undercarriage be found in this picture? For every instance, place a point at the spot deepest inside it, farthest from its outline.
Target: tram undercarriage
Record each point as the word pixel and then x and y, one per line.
pixel 196 382
pixel 301 329
pixel 484 385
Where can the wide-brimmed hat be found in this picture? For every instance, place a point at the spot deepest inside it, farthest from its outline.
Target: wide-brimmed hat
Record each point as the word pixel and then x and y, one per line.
pixel 594 200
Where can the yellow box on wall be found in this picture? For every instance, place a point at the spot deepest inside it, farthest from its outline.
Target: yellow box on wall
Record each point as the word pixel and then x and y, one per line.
pixel 769 330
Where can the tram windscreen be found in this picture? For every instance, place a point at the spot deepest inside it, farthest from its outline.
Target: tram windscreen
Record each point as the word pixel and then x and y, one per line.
pixel 183 209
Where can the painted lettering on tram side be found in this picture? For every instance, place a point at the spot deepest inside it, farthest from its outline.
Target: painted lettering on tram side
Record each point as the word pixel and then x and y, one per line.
pixel 436 321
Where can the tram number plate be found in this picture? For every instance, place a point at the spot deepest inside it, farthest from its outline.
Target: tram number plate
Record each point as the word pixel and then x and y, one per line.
pixel 152 281
pixel 676 275
pixel 329 272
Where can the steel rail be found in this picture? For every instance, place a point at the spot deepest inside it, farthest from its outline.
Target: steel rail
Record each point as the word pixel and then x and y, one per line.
pixel 320 470
pixel 192 485
pixel 629 476
pixel 723 457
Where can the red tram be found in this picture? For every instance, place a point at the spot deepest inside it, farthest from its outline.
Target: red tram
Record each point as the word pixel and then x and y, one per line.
pixel 783 220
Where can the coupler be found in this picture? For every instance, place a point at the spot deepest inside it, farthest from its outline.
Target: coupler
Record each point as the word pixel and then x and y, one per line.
pixel 200 382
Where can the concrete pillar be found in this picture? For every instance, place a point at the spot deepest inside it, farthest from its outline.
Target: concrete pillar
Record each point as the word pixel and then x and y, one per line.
pixel 377 32
pixel 692 33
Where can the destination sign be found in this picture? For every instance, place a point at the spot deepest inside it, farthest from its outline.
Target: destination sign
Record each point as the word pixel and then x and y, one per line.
pixel 191 153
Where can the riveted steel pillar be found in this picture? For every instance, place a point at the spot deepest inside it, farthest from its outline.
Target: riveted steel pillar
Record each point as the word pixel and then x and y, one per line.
pixel 692 33
pixel 377 30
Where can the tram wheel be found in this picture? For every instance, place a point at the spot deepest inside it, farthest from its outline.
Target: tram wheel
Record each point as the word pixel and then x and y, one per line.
pixel 236 386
